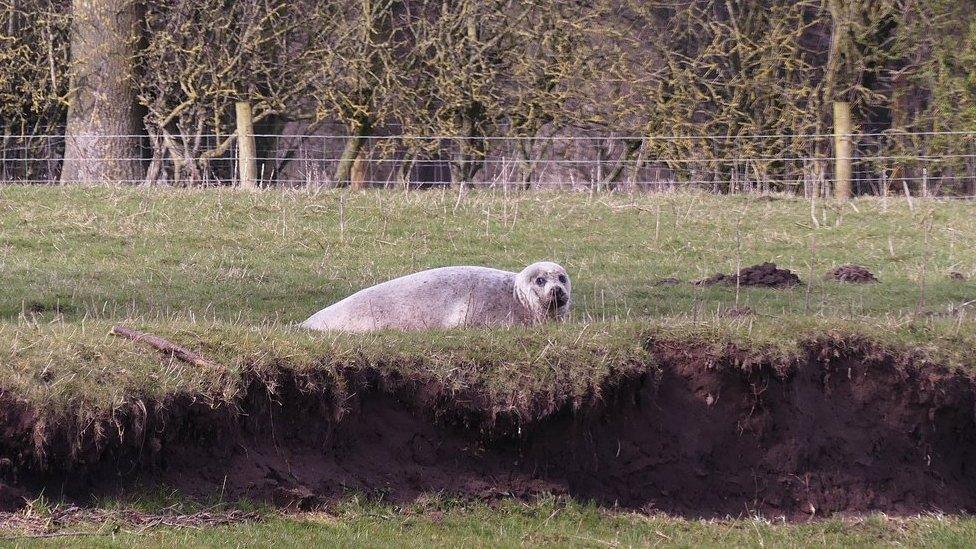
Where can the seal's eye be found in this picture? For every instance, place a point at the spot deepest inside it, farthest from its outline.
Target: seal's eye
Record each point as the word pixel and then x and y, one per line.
pixel 540 281
pixel 562 279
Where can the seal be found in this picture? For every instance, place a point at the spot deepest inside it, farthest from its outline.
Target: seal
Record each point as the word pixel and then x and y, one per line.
pixel 453 297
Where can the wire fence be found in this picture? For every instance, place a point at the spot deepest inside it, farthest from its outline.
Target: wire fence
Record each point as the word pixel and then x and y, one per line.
pixel 920 163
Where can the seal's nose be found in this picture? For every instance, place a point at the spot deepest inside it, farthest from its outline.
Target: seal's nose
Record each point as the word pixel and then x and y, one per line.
pixel 560 296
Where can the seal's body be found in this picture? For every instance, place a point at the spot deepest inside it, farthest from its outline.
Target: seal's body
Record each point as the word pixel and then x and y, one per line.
pixel 452 297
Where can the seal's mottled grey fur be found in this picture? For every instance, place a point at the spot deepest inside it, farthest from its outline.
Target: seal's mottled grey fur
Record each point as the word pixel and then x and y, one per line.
pixel 452 297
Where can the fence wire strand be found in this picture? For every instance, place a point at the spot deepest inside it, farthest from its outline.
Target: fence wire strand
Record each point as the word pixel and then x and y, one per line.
pixel 923 163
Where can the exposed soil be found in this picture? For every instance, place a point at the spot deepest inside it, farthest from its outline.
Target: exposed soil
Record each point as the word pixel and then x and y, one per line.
pixel 12 499
pixel 848 428
pixel 766 275
pixel 836 437
pixel 851 273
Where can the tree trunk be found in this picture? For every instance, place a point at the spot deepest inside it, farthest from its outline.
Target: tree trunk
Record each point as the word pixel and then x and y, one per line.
pixel 359 171
pixel 469 158
pixel 612 179
pixel 468 161
pixel 352 154
pixel 969 187
pixel 102 142
pixel 525 164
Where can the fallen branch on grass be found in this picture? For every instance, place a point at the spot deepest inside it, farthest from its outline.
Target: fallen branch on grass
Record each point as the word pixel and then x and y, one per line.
pixel 165 346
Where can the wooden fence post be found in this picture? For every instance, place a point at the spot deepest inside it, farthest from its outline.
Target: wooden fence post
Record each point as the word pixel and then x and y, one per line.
pixel 843 150
pixel 246 148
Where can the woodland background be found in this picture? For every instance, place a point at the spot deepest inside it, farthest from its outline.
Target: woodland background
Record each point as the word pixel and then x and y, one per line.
pixel 723 95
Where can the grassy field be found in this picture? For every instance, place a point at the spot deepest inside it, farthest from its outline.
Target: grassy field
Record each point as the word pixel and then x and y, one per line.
pixel 230 274
pixel 547 523
pixel 275 257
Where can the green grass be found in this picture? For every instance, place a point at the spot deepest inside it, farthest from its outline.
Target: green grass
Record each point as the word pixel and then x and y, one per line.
pixel 548 523
pixel 229 274
pixel 155 254
pixel 74 372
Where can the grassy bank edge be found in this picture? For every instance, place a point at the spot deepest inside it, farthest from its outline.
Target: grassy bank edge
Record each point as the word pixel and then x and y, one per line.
pixel 73 377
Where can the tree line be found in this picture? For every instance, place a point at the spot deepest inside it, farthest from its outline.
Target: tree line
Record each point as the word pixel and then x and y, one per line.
pixel 170 72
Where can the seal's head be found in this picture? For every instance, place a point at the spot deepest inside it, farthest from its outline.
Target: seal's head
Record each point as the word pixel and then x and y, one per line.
pixel 545 290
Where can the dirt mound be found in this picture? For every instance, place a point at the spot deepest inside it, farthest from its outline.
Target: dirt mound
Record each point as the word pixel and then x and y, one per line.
pixel 846 428
pixel 851 273
pixel 739 312
pixel 765 275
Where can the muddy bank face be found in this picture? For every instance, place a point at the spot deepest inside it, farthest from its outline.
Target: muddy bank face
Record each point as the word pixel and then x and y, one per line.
pixel 829 439
pixel 699 438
